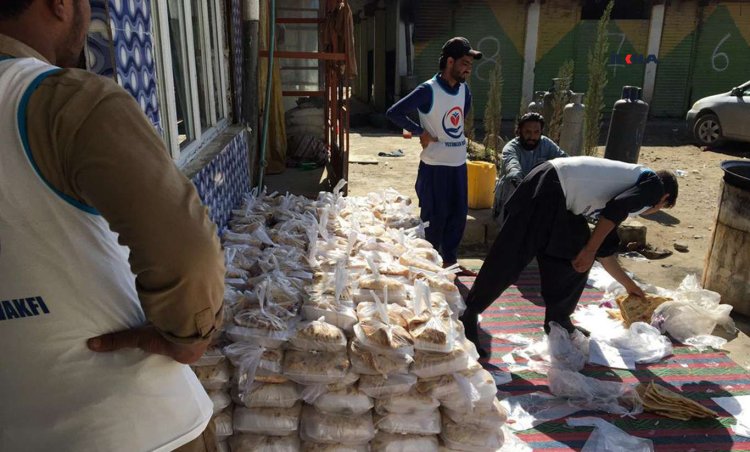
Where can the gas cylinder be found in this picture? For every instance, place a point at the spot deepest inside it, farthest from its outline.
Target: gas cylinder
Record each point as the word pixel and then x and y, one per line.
pixel 548 101
pixel 627 126
pixel 536 104
pixel 571 136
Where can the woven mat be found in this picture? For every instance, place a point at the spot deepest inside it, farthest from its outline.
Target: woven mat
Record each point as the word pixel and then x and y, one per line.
pixel 699 376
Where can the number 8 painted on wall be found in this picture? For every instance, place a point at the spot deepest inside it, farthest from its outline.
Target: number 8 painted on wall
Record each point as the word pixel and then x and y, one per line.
pixel 486 57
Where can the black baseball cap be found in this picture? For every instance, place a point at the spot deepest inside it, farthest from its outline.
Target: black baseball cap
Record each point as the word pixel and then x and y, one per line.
pixel 458 47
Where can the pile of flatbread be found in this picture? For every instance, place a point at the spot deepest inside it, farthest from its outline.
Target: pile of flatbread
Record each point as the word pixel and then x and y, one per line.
pixel 637 309
pixel 660 400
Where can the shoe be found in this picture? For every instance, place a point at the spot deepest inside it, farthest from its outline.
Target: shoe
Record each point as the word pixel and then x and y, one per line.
pixel 471 330
pixel 465 271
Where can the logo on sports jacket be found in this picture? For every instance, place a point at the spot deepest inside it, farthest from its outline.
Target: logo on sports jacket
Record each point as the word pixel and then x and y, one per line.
pixel 453 122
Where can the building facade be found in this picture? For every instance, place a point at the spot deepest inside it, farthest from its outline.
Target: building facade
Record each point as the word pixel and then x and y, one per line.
pixel 680 50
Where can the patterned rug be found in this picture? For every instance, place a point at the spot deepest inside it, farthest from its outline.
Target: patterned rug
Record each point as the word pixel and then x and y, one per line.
pixel 699 376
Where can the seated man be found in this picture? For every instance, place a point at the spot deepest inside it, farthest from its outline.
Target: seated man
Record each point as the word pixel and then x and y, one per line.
pixel 546 219
pixel 528 149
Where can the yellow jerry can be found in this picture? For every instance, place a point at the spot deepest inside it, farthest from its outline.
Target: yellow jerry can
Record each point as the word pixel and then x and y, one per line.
pixel 481 177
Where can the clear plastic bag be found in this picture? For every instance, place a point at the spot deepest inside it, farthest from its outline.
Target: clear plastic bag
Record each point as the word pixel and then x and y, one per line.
pixel 223 425
pixel 608 438
pixel 390 442
pixel 706 341
pixel 483 417
pixel 223 446
pixel 268 326
pixel 397 314
pixel 684 320
pixel 260 337
pixel 214 377
pixel 212 357
pixel 695 311
pixel 644 343
pixel 472 391
pixel 411 402
pixel 593 394
pixel 377 386
pixel 379 335
pixel 338 309
pixel 315 447
pixel 348 401
pixel 367 362
pixel 309 367
pixel 220 400
pixel 416 423
pixel 271 395
pixel 254 364
pixel 318 335
pixel 430 365
pixel 342 315
pixel 267 421
pixel 564 353
pixel 262 443
pixel 383 287
pixel 431 332
pixel 323 428
pixel 471 438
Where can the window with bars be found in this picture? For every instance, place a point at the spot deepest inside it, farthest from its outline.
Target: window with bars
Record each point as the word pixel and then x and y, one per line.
pixel 192 72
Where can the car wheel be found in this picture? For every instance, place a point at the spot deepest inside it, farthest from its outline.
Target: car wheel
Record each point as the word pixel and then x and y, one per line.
pixel 707 129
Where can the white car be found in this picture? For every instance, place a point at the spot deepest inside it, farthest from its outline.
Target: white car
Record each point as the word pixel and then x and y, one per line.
pixel 722 116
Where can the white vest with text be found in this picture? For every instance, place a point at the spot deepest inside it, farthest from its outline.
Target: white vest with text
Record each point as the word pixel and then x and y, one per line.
pixel 445 121
pixel 64 279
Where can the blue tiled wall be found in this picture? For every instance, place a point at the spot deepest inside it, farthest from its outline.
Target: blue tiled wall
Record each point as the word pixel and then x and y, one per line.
pixel 130 22
pixel 99 58
pixel 224 180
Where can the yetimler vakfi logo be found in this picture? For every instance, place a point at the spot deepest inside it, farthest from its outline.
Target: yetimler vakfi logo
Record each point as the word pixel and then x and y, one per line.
pixel 632 58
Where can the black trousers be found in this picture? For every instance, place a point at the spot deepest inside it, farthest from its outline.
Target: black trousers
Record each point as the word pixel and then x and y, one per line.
pixel 536 224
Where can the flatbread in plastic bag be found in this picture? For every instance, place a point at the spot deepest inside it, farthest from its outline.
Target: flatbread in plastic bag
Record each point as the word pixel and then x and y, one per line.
pixel 377 386
pixel 335 429
pixel 247 442
pixel 416 423
pixel 390 442
pixel 410 402
pixel 318 335
pixel 471 438
pixel 271 395
pixel 267 421
pixel 309 367
pixel 367 362
pixel 347 401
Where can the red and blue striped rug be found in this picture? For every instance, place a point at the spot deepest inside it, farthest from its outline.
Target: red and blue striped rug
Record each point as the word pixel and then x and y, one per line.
pixel 699 376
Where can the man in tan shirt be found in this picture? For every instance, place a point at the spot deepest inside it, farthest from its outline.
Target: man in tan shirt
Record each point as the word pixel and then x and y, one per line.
pixel 92 143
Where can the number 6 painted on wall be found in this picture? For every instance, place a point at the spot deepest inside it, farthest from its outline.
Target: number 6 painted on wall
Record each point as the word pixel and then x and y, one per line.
pixel 716 55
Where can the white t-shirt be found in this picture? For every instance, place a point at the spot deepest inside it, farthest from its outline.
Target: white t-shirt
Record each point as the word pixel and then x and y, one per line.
pixel 589 183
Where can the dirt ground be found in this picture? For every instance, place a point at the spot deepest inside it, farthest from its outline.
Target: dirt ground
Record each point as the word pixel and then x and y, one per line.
pixel 690 222
pixel 666 146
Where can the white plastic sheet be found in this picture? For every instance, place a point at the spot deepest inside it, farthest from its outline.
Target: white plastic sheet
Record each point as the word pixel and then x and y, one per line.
pixel 608 438
pixel 739 408
pixel 529 410
pixel 593 394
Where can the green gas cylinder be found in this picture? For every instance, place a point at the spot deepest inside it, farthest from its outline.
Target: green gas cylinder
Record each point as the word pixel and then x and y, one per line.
pixel 627 126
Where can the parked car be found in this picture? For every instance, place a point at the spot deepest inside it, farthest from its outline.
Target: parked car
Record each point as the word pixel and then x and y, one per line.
pixel 722 116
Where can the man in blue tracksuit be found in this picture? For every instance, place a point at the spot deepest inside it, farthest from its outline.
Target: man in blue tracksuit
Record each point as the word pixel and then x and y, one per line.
pixel 442 103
